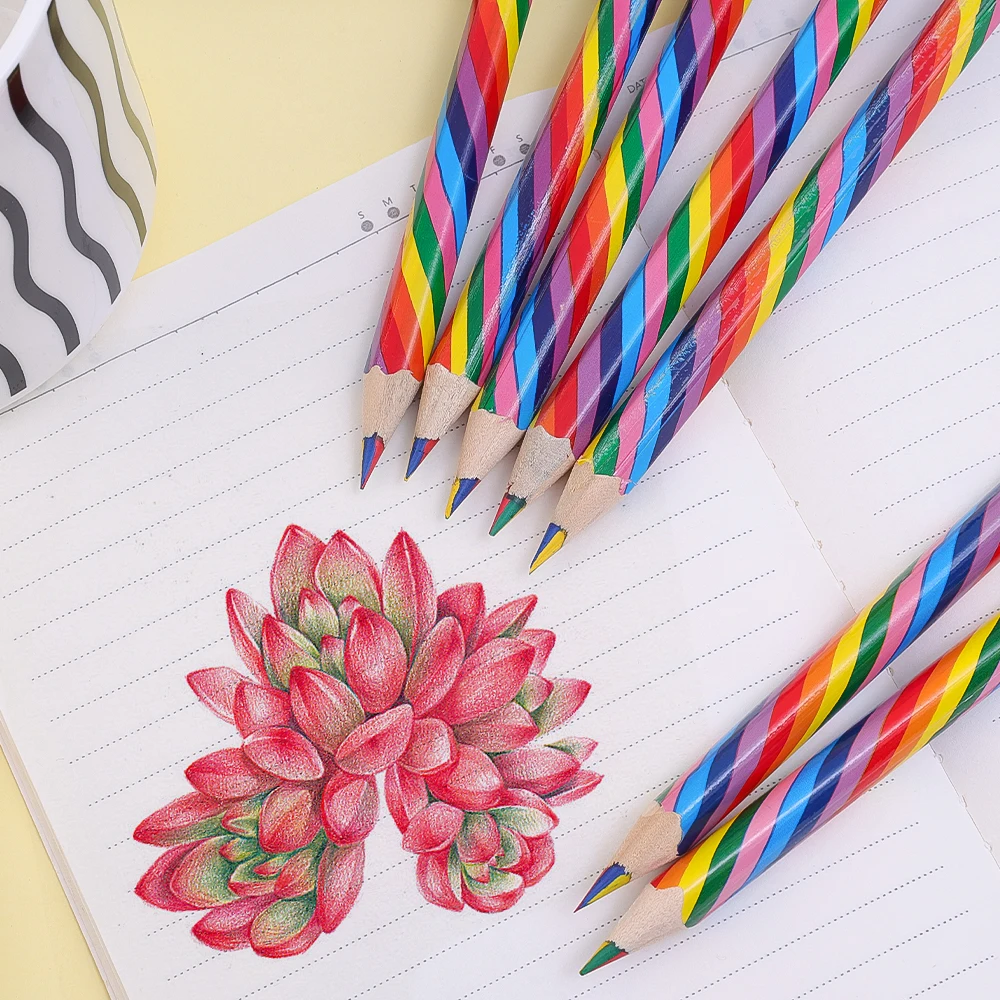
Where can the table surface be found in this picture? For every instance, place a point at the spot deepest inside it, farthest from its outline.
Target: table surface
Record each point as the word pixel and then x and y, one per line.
pixel 255 106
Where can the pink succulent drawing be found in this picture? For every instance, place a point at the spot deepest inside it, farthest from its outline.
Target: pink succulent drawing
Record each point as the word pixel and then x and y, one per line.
pixel 360 672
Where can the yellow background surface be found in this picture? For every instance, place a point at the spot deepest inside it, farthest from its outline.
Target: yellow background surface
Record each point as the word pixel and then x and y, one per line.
pixel 256 104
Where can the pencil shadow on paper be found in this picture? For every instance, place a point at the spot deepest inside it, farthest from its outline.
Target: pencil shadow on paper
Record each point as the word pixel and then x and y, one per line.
pixel 361 671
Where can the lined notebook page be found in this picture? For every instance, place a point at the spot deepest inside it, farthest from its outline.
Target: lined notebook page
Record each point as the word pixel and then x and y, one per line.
pixel 874 388
pixel 221 405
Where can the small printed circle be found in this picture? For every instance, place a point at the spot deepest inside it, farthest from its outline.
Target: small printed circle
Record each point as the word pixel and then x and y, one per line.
pixel 499 160
pixel 524 148
pixel 367 226
pixel 393 212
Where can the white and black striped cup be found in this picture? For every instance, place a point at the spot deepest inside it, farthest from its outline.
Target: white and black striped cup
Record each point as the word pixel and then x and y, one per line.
pixel 77 181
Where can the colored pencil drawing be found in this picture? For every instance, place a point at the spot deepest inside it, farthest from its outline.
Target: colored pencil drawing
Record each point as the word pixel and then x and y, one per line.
pixel 361 672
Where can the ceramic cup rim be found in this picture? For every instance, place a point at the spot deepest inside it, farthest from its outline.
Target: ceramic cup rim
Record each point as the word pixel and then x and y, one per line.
pixel 32 15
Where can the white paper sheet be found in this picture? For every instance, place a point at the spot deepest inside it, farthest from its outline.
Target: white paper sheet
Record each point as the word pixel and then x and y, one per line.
pixel 221 405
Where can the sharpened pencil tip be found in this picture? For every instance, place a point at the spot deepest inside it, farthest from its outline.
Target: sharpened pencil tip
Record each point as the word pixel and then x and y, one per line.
pixel 613 877
pixel 419 450
pixel 509 508
pixel 608 952
pixel 371 451
pixel 460 490
pixel 552 542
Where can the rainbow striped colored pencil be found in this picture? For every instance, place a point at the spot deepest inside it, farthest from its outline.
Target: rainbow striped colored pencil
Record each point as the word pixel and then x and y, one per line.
pixel 650 415
pixel 438 223
pixel 585 395
pixel 526 224
pixel 677 819
pixel 747 845
pixel 569 284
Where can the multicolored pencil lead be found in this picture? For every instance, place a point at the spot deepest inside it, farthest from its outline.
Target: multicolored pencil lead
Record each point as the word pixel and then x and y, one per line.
pixel 569 284
pixel 585 395
pixel 650 415
pixel 744 847
pixel 439 221
pixel 527 222
pixel 552 542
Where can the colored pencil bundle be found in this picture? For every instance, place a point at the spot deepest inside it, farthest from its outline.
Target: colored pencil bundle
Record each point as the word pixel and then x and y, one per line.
pixel 650 415
pixel 747 845
pixel 569 284
pixel 588 391
pixel 692 805
pixel 439 220
pixel 526 224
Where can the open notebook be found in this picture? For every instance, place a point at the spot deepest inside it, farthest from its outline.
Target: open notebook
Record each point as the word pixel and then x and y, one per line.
pixel 221 404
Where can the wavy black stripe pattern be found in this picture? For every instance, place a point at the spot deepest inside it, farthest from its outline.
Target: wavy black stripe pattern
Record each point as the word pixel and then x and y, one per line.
pixel 85 78
pixel 45 135
pixel 12 372
pixel 11 210
pixel 130 115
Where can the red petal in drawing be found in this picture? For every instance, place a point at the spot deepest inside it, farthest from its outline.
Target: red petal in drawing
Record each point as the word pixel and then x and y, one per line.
pixel 439 879
pixel 534 691
pixel 345 569
pixel 227 928
pixel 473 783
pixel 298 876
pixel 258 707
pixel 346 613
pixel 488 679
pixel 325 708
pixel 435 666
pixel 525 812
pixel 331 657
pixel 433 829
pixel 516 855
pixel 467 603
pixel 541 641
pixel 289 819
pixel 405 795
pixel 294 569
pixel 349 808
pixel 238 849
pixel 242 817
pixel 377 743
pixel 543 857
pixel 579 785
pixel 191 817
pixel 154 886
pixel 500 893
pixel 284 649
pixel 560 706
pixel 317 617
pixel 408 598
pixel 202 877
pixel 216 688
pixel 286 927
pixel 374 660
pixel 271 867
pixel 431 747
pixel 247 883
pixel 479 839
pixel 227 774
pixel 505 728
pixel 284 753
pixel 538 769
pixel 507 620
pixel 580 747
pixel 341 870
pixel 246 620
